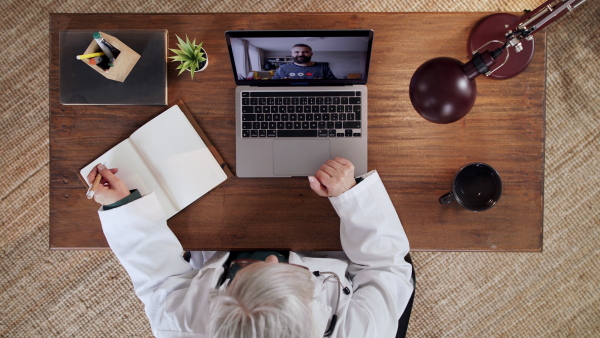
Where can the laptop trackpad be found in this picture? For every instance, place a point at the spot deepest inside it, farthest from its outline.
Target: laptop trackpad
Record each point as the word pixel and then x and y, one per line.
pixel 299 157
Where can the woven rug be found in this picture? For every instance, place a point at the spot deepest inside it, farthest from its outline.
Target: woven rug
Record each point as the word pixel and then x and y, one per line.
pixel 87 293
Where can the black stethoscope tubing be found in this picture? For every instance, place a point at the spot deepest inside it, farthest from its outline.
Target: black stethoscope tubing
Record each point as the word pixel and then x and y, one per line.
pixel 337 304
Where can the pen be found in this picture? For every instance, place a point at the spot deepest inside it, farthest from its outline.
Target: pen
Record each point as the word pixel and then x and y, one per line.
pixel 89 56
pixel 94 186
pixel 100 41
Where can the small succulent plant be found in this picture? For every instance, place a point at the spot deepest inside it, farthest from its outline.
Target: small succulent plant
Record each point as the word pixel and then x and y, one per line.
pixel 189 54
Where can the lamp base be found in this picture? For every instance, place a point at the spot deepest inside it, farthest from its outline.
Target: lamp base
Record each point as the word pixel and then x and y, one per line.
pixel 495 27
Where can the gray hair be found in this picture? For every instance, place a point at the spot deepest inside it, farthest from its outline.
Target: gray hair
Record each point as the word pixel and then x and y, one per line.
pixel 265 300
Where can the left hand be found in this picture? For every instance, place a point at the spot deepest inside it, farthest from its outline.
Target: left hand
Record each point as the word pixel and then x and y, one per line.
pixel 334 178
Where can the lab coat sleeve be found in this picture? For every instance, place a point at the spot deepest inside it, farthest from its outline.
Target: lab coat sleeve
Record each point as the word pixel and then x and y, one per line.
pixel 375 242
pixel 140 238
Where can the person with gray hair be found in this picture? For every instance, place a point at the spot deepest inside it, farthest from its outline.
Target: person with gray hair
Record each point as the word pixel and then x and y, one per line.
pixel 360 292
pixel 265 298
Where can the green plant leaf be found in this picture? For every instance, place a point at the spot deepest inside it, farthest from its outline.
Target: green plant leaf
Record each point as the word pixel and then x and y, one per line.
pixel 180 40
pixel 189 50
pixel 179 52
pixel 178 58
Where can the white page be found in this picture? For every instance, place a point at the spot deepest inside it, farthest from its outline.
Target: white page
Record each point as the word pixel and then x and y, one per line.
pixel 178 157
pixel 133 172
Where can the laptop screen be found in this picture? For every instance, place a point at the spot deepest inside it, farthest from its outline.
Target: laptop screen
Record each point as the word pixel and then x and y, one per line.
pixel 309 57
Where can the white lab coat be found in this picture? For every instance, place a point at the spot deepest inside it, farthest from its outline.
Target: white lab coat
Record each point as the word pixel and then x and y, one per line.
pixel 176 294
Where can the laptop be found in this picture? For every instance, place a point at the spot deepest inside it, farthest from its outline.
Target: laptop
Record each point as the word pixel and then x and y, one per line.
pixel 301 99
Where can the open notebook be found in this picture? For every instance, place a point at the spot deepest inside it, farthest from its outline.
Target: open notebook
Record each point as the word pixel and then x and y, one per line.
pixel 171 156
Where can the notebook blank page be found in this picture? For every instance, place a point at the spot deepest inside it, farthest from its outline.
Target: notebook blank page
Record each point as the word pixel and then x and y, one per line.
pixel 178 157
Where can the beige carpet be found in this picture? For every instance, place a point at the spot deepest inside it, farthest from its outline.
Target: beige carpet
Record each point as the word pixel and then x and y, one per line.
pixel 87 293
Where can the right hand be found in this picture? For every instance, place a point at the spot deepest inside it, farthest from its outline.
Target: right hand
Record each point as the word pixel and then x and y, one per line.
pixel 111 189
pixel 334 178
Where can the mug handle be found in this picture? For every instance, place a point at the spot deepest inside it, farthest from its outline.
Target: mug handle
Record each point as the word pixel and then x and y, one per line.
pixel 447 198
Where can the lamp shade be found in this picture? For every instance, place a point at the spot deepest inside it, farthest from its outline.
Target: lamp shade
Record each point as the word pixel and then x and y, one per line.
pixel 440 90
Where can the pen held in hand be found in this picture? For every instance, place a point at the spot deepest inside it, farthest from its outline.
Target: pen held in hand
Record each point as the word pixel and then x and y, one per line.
pixel 94 186
pixel 92 189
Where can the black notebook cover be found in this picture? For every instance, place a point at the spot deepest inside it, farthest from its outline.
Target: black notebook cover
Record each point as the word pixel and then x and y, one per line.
pixel 146 84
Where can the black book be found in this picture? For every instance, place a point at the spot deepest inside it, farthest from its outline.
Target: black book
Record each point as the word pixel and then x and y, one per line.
pixel 146 84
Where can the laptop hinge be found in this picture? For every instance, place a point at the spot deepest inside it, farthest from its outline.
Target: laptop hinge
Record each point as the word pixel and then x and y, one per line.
pixel 304 84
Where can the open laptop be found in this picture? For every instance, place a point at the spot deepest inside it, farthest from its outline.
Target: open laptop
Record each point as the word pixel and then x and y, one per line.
pixel 301 99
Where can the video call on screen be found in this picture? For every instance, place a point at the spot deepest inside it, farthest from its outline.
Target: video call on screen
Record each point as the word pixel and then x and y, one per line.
pixel 271 58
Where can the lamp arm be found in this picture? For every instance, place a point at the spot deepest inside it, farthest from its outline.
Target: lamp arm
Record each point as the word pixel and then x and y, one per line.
pixel 527 25
pixel 542 16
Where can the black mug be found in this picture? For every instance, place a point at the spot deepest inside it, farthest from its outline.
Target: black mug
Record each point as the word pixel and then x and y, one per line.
pixel 476 187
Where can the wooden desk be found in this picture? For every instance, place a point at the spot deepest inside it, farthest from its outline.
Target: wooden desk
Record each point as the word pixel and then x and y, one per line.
pixel 415 158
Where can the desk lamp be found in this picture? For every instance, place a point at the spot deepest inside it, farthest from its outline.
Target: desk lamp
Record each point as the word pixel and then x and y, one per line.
pixel 443 90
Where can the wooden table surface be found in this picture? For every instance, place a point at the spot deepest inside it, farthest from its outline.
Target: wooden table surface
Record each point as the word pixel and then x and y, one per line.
pixel 416 159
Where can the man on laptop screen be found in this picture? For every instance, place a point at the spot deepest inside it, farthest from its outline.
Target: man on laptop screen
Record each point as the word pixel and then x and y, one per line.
pixel 303 67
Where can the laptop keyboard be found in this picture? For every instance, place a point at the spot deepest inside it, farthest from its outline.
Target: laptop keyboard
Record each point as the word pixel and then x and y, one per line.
pixel 301 114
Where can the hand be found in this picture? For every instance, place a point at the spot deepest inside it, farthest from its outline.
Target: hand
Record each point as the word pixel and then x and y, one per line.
pixel 334 178
pixel 111 189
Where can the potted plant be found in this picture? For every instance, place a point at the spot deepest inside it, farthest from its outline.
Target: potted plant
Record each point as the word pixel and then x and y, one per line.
pixel 191 55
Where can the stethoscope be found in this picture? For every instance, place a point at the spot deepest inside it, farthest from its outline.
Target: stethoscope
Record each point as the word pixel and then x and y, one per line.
pixel 346 292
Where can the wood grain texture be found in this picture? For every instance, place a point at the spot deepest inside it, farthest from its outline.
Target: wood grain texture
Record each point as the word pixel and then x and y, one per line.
pixel 415 158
